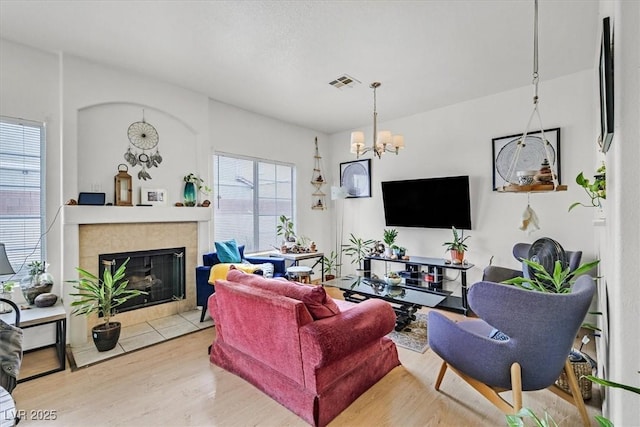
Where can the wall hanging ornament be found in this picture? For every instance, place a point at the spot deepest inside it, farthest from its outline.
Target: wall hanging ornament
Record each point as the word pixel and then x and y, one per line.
pixel 144 137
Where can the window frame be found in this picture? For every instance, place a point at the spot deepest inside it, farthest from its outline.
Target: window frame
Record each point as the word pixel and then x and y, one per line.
pixel 256 192
pixel 19 263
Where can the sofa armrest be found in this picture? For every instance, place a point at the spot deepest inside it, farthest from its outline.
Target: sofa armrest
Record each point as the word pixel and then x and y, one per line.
pixel 328 340
pixel 278 263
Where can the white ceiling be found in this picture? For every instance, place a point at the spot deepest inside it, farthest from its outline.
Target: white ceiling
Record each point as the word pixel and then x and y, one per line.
pixel 277 57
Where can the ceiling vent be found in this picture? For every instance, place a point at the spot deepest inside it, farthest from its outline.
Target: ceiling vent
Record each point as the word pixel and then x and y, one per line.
pixel 344 82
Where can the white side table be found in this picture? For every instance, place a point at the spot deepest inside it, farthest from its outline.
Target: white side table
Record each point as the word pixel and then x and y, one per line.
pixel 38 316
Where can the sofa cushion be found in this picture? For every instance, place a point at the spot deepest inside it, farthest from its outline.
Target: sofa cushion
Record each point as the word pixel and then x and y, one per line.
pixel 319 304
pixel 228 251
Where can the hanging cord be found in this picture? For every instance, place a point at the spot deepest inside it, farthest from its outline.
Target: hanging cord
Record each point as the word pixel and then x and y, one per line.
pixel 536 111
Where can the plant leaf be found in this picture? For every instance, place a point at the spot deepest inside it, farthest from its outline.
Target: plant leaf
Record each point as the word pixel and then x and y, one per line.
pixel 613 384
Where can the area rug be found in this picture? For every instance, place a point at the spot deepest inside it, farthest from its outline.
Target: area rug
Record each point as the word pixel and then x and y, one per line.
pixel 416 338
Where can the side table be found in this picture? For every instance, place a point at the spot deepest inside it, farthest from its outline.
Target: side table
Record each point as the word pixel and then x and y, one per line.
pixel 38 316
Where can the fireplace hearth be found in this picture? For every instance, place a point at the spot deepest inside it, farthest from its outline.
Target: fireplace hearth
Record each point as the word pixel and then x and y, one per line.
pixel 159 272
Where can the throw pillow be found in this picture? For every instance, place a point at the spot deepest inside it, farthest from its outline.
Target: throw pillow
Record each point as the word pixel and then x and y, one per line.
pixel 228 251
pixel 319 304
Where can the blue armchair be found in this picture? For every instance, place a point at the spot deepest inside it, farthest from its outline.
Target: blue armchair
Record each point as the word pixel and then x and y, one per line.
pixel 204 289
pixel 537 332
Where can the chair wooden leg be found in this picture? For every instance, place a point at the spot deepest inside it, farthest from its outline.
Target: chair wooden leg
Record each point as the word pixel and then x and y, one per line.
pixel 443 369
pixel 516 387
pixel 490 393
pixel 575 397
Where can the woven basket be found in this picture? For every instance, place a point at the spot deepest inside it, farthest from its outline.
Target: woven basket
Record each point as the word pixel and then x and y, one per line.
pixel 580 369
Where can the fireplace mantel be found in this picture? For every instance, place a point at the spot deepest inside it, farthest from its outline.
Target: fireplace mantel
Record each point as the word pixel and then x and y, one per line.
pixel 133 214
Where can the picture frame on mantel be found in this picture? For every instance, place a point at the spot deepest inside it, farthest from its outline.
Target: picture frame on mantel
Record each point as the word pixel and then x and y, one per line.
pixel 153 196
pixel 552 135
pixel 355 177
pixel 606 87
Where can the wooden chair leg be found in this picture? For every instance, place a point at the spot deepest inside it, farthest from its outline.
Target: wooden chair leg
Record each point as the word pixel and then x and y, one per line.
pixel 443 369
pixel 575 397
pixel 516 387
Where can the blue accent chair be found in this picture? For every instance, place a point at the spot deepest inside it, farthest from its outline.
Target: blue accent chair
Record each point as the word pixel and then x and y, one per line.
pixel 540 327
pixel 204 289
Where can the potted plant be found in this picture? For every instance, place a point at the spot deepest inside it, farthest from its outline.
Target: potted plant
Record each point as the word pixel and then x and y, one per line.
pixel 192 184
pixel 285 229
pixel 456 247
pixel 102 297
pixel 389 237
pixel 596 190
pixel 358 249
pixel 399 251
pixel 330 265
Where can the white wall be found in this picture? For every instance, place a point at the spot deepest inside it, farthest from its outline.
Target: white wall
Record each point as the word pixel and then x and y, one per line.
pixel 29 89
pixel 456 140
pixel 620 242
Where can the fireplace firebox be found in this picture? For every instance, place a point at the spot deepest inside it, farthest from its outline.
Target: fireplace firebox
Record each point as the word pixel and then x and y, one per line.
pixel 159 272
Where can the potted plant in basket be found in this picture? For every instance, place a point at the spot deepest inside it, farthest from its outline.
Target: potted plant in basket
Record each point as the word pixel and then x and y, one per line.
pixel 358 249
pixel 456 247
pixel 102 297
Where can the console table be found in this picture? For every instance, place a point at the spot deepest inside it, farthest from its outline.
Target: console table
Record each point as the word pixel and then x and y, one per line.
pixel 38 316
pixel 414 277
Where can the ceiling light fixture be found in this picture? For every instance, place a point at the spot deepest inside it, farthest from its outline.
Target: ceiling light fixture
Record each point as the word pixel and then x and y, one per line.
pixel 384 140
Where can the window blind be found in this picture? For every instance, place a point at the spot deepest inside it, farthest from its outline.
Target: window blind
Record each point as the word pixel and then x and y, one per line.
pixel 250 194
pixel 22 191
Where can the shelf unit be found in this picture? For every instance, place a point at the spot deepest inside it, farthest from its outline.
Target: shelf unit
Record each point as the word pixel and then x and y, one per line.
pixel 317 180
pixel 435 267
pixel 534 188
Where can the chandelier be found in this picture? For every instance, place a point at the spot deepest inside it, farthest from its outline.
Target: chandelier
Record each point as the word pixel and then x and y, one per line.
pixel 384 140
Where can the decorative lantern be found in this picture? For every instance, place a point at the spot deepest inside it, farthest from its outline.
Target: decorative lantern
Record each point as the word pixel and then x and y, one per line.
pixel 123 186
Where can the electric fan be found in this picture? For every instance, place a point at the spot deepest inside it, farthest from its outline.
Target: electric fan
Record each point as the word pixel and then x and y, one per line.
pixel 546 252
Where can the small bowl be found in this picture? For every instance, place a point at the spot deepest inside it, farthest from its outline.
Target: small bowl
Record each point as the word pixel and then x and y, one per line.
pixel 393 281
pixel 526 177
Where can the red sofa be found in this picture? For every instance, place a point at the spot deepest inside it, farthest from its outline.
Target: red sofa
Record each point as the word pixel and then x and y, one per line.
pixel 310 353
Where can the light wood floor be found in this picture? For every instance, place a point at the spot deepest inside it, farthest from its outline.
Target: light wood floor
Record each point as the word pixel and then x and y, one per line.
pixel 173 384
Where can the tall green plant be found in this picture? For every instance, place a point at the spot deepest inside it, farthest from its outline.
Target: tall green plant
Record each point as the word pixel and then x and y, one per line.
pixel 102 296
pixel 358 249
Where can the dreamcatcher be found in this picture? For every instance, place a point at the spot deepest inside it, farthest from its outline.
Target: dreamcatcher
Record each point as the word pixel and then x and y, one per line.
pixel 144 137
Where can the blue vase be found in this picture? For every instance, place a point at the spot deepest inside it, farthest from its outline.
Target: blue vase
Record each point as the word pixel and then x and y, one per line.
pixel 190 194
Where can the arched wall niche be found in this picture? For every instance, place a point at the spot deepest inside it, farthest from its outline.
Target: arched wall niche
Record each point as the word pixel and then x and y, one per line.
pixel 103 141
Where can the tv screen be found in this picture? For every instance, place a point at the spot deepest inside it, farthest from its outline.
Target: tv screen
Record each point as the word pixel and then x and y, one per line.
pixel 429 203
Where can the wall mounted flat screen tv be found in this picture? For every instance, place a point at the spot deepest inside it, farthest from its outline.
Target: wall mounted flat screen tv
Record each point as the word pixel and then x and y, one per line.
pixel 428 203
